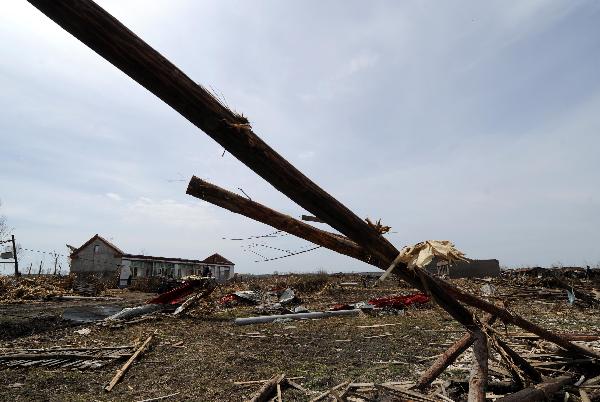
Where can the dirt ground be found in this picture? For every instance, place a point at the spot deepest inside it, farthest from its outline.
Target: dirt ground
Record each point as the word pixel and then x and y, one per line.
pixel 199 356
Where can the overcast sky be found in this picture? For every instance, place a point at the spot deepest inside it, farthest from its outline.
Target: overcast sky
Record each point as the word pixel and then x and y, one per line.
pixel 476 122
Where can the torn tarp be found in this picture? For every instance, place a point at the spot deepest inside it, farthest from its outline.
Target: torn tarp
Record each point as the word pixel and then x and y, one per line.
pixel 178 295
pixel 400 301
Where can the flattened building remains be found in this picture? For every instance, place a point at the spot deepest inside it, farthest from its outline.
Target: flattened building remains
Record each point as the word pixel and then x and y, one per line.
pixel 100 257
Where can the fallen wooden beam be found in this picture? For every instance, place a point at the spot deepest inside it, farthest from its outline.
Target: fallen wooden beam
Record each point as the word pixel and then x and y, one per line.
pixel 449 356
pixel 121 372
pixel 268 390
pixel 540 392
pixel 299 387
pixel 402 394
pixel 324 395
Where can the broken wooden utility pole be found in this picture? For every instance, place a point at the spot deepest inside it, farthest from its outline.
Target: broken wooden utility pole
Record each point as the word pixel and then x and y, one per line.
pixel 479 370
pixel 540 392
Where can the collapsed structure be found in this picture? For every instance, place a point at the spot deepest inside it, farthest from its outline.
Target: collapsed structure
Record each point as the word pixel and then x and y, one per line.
pixel 358 239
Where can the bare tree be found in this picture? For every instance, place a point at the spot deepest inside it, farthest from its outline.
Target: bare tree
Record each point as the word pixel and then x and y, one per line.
pixel 5 232
pixel 4 229
pixel 55 255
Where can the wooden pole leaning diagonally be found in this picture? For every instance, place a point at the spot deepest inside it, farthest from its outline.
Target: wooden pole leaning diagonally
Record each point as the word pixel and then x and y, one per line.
pixel 112 40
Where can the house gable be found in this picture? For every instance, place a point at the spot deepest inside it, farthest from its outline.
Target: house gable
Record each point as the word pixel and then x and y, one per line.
pixel 217 259
pixel 118 252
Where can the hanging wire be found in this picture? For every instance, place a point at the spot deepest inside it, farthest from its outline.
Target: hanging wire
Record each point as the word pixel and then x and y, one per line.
pixel 271 247
pixel 289 255
pixel 254 252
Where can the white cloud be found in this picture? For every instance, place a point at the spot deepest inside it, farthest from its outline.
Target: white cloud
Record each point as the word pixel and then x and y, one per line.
pixel 360 62
pixel 114 196
pixel 306 155
pixel 169 212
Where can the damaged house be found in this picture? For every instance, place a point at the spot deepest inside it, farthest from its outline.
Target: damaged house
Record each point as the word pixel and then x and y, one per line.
pixel 101 257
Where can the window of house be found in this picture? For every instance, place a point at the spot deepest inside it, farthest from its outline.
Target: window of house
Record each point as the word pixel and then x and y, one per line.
pixel 225 272
pixel 135 272
pixel 96 249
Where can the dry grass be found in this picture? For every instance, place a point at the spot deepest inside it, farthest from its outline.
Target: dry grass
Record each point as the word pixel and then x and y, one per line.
pixel 215 353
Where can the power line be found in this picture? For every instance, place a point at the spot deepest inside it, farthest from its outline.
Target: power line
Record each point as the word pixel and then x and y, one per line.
pixel 260 255
pixel 271 247
pixel 289 255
